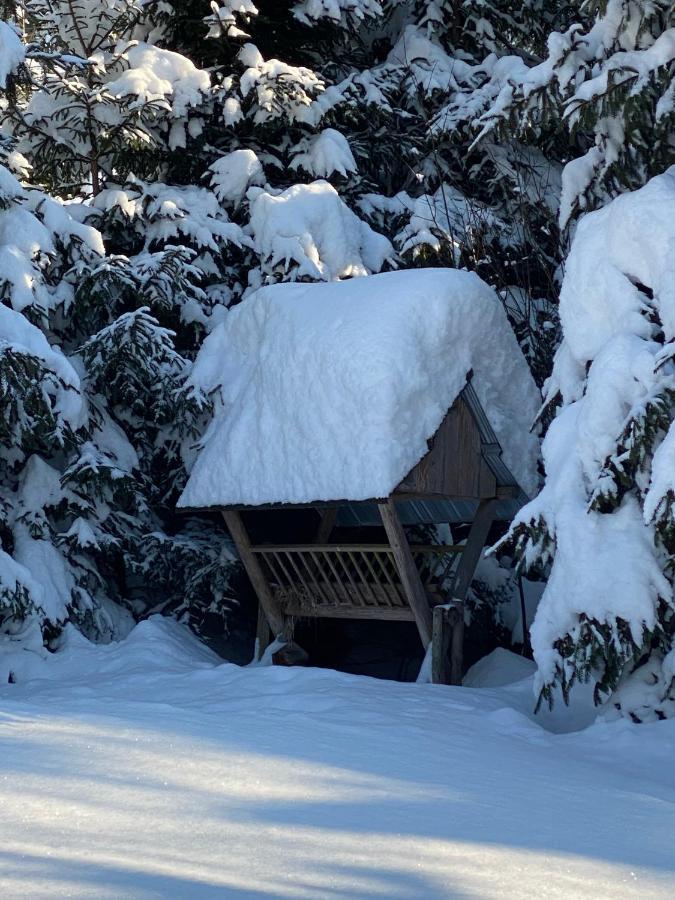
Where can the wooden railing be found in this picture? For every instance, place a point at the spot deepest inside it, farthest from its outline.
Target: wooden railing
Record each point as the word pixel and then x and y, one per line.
pixel 352 580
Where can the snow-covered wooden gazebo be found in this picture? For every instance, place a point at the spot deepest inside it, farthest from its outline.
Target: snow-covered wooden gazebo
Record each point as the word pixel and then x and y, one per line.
pixel 389 400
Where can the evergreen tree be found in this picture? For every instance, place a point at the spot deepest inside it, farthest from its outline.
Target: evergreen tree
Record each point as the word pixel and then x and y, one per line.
pixel 298 141
pixel 604 521
pixel 609 76
pixel 96 474
pixel 68 487
pixel 211 147
pixel 377 99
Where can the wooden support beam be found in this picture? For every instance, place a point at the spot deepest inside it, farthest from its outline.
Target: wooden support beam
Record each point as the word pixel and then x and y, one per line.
pixel 270 606
pixel 473 548
pixel 326 525
pixel 410 577
pixel 465 571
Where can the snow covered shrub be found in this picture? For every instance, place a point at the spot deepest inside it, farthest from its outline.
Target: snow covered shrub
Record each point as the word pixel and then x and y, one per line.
pixel 605 517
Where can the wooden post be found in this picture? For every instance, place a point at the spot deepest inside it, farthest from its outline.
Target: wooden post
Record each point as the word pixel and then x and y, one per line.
pixel 410 577
pixel 440 645
pixel 465 571
pixel 457 646
pixel 270 606
pixel 326 525
pixel 446 620
pixel 263 635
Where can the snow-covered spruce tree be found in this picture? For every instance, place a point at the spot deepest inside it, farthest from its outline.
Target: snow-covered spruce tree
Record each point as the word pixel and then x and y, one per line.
pixel 68 487
pixel 604 520
pixel 281 174
pixel 609 75
pixel 105 309
pixel 490 206
pixel 102 111
pixel 102 100
pixel 326 109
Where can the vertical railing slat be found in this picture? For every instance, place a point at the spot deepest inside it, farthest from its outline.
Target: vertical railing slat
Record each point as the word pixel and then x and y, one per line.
pixel 338 581
pixel 355 596
pixel 318 559
pixel 383 591
pixel 362 578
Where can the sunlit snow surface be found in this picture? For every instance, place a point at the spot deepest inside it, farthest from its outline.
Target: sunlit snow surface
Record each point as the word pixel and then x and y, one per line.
pixel 145 769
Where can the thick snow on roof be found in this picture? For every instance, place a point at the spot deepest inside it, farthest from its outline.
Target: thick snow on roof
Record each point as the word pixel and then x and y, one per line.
pixel 330 391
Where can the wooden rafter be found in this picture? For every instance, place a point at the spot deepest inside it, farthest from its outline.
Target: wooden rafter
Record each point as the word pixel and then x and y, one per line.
pixel 408 572
pixel 326 524
pixel 473 548
pixel 269 604
pixel 466 569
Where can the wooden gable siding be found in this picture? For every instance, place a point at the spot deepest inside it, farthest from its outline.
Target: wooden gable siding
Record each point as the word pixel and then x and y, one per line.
pixel 453 466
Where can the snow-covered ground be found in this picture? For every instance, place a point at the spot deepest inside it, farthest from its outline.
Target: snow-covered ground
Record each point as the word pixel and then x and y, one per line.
pixel 150 769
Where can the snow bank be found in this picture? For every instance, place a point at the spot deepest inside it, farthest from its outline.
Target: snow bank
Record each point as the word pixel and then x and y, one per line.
pixel 617 308
pixel 154 645
pixel 309 783
pixel 330 391
pixel 498 669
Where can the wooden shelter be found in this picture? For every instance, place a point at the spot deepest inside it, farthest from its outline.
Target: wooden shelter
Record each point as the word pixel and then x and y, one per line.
pixel 462 475
pixel 351 417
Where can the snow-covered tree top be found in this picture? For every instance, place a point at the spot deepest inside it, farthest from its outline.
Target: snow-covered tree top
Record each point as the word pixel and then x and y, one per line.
pixel 155 74
pixel 331 391
pixel 309 225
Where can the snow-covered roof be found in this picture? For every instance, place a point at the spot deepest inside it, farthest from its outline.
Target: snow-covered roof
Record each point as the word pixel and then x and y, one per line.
pixel 331 391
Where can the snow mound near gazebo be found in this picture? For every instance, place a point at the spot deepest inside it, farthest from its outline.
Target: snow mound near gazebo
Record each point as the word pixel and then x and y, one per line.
pixel 331 391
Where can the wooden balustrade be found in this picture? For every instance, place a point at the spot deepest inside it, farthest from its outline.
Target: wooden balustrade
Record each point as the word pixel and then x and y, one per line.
pixel 352 580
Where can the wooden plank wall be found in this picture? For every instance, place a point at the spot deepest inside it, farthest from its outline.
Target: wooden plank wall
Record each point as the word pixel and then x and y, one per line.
pixel 454 466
